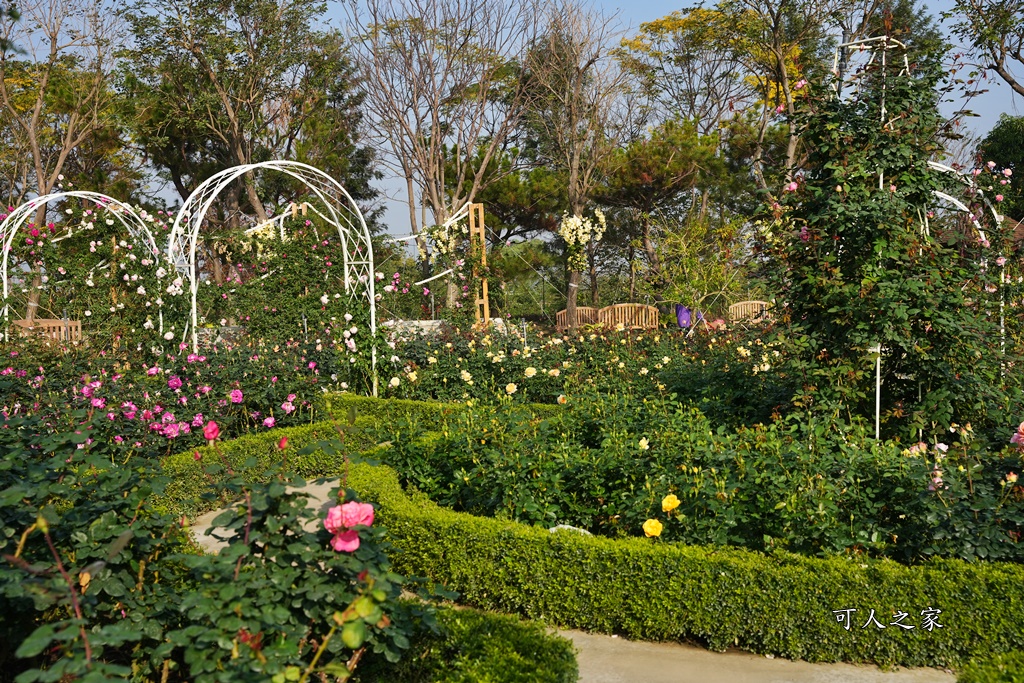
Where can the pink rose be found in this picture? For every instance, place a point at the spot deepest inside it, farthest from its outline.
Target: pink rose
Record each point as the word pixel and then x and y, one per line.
pixel 211 431
pixel 174 382
pixel 341 517
pixel 345 542
pixel 356 514
pixel 236 396
pixel 268 422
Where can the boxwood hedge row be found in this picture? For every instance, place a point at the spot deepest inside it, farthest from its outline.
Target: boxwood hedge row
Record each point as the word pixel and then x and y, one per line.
pixel 780 604
pixel 480 646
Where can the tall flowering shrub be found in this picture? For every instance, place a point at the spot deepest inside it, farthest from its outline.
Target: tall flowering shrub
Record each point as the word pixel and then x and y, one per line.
pixel 861 255
pixel 293 291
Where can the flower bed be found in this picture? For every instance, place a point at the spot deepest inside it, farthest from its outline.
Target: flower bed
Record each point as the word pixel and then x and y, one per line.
pixel 616 466
pixel 162 404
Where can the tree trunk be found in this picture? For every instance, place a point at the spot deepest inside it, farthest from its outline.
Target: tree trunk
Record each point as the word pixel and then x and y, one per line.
pixel 653 260
pixel 570 304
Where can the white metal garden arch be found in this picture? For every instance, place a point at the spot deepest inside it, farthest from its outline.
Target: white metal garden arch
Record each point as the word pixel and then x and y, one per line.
pixel 134 224
pixel 341 211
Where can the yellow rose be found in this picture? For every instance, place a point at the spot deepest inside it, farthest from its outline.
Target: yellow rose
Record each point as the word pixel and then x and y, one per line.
pixel 510 388
pixel 669 503
pixel 652 528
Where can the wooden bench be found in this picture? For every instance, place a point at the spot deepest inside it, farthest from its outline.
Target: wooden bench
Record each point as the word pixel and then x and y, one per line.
pixel 585 315
pixel 630 316
pixel 748 311
pixel 57 330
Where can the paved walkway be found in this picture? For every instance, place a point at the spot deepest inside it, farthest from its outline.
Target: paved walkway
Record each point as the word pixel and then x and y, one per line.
pixel 610 659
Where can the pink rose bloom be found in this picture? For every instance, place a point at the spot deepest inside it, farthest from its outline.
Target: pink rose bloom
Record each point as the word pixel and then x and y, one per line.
pixel 174 382
pixel 341 517
pixel 345 542
pixel 288 407
pixel 236 395
pixel 268 422
pixel 355 514
pixel 211 431
pixel 152 371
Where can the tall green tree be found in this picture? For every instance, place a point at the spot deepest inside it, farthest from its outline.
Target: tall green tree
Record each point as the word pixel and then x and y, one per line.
pixel 662 174
pixel 576 116
pixel 217 84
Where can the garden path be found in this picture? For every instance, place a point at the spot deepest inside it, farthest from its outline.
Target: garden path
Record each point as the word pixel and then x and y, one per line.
pixel 610 659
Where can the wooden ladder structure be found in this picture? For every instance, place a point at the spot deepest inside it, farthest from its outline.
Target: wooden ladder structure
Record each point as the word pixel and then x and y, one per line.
pixel 478 248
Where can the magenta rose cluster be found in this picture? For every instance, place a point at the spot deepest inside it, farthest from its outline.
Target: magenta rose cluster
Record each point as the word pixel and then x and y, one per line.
pixel 341 520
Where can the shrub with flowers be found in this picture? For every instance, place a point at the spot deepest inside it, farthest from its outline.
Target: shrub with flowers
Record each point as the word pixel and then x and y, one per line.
pixel 104 585
pixel 164 403
pixel 91 269
pixel 481 366
pixel 618 466
pixel 866 260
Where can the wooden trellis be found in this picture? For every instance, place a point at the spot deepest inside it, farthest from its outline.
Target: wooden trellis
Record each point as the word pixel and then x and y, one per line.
pixel 478 247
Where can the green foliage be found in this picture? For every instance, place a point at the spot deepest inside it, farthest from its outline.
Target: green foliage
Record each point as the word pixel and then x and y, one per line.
pixel 480 647
pixel 216 85
pixel 480 366
pixel 858 260
pixel 1004 145
pixel 99 582
pixel 772 604
pixel 1004 668
pixel 98 273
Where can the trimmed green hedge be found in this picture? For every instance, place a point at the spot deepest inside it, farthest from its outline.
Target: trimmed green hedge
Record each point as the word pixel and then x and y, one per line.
pixel 1007 668
pixel 780 604
pixel 481 648
pixel 391 409
pixel 190 482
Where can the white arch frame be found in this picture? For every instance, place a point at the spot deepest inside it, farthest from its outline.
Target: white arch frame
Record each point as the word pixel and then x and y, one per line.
pixel 15 221
pixel 342 212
